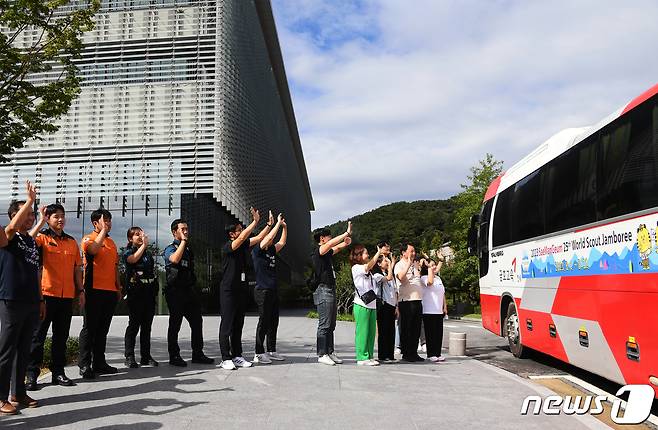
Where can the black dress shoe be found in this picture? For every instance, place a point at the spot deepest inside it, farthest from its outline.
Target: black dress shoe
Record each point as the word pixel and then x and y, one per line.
pixel 202 359
pixel 177 361
pixel 419 359
pixel 105 369
pixel 148 361
pixel 31 384
pixel 87 373
pixel 131 363
pixel 62 380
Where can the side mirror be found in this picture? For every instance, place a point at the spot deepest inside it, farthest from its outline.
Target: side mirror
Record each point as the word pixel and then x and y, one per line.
pixel 473 235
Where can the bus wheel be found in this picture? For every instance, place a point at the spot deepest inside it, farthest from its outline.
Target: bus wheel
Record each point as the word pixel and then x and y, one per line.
pixel 513 330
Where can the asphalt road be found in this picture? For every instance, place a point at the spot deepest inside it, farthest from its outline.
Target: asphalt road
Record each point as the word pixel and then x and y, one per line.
pixel 485 346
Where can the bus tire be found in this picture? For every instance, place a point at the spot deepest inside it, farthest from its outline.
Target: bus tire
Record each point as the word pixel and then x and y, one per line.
pixel 513 332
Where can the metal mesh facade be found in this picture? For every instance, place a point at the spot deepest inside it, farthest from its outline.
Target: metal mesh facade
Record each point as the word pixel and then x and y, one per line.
pixel 179 97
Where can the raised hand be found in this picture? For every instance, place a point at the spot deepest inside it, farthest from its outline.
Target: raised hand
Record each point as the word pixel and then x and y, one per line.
pixel 145 238
pixel 101 223
pixel 270 219
pixel 255 214
pixel 349 228
pixel 42 212
pixel 30 191
pixel 348 241
pixel 280 218
pixel 392 259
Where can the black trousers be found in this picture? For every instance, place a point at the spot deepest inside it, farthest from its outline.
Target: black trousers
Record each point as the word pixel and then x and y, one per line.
pixel 18 320
pixel 411 313
pixel 434 333
pixel 232 305
pixel 58 313
pixel 141 309
pixel 184 303
pixel 97 317
pixel 267 300
pixel 385 331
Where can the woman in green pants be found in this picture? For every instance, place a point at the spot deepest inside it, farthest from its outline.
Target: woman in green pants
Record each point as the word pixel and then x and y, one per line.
pixel 365 305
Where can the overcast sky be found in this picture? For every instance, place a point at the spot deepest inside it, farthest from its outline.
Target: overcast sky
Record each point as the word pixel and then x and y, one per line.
pixel 395 100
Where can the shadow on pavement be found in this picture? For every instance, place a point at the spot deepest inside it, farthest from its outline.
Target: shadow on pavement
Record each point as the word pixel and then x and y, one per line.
pixel 137 407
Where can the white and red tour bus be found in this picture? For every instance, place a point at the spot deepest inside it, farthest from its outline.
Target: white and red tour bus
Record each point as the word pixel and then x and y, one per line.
pixel 567 242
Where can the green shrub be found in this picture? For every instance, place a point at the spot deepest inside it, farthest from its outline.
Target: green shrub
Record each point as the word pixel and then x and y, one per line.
pixel 340 317
pixel 345 317
pixel 72 351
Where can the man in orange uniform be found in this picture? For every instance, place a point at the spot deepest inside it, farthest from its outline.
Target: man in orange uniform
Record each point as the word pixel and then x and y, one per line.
pixel 102 292
pixel 61 281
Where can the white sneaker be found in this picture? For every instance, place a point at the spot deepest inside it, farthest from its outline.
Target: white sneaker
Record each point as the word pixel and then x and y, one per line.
pixel 228 365
pixel 262 359
pixel 441 358
pixel 422 348
pixel 336 359
pixel 325 359
pixel 367 363
pixel 398 351
pixel 275 356
pixel 241 362
pixel 434 359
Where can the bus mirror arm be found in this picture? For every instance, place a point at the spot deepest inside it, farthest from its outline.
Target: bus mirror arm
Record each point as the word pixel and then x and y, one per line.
pixel 473 234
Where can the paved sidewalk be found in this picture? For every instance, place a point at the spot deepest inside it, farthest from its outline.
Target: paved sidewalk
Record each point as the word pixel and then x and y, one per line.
pixel 297 394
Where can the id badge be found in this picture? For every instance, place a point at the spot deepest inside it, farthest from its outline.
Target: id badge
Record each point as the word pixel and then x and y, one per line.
pixel 243 277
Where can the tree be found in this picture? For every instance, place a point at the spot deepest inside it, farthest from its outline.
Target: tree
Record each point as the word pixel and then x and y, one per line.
pixel 344 289
pixel 29 105
pixel 461 278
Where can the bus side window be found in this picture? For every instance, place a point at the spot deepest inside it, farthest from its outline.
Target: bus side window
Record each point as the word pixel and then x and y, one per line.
pixel 501 218
pixel 570 191
pixel 628 170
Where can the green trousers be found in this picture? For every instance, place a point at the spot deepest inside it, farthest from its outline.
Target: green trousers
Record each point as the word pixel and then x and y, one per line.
pixel 366 329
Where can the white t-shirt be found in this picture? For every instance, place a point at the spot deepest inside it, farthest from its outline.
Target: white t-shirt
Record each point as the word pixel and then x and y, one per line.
pixel 433 296
pixel 363 282
pixel 386 289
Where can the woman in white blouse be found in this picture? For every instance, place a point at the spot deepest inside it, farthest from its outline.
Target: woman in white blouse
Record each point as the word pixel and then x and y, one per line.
pixel 365 305
pixel 435 308
pixel 386 306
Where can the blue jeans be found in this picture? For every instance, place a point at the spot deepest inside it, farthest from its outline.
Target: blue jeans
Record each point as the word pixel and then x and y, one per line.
pixel 324 298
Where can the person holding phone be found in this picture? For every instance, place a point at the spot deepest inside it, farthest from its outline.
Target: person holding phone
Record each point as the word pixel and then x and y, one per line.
pixel 435 308
pixel 21 303
pixel 386 307
pixel 61 282
pixel 234 288
pixel 142 288
pixel 102 288
pixel 181 296
pixel 365 304
pixel 324 296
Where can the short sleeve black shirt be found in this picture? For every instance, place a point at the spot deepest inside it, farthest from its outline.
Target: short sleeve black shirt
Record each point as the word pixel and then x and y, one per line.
pixel 19 268
pixel 234 265
pixel 265 266
pixel 324 267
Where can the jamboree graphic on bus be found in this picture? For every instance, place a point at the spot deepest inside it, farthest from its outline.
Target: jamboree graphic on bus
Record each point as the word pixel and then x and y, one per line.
pixel 621 248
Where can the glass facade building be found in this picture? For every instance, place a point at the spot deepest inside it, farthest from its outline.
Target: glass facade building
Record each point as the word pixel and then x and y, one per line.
pixel 184 112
